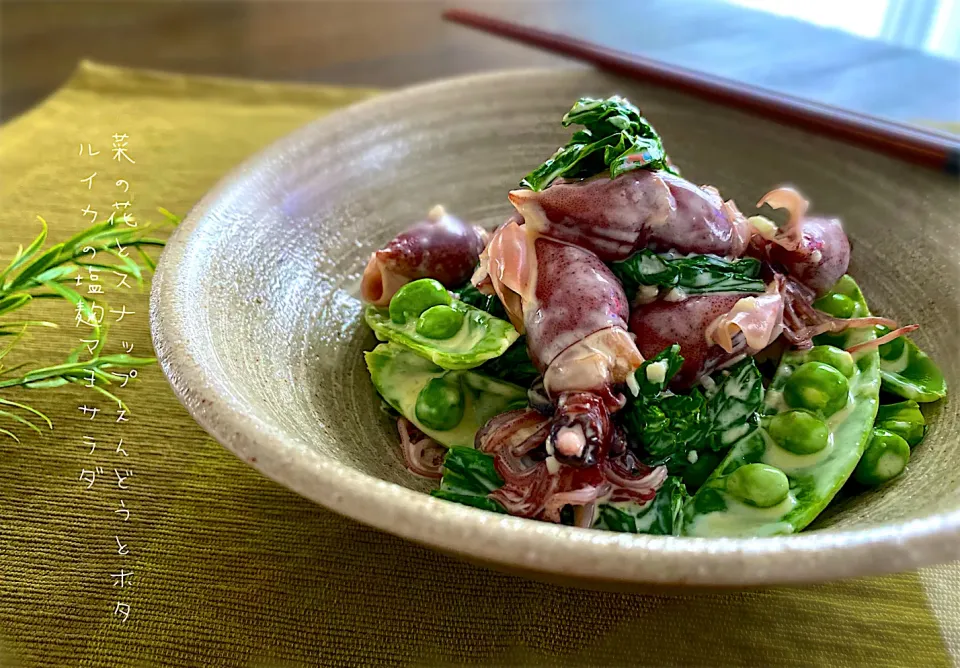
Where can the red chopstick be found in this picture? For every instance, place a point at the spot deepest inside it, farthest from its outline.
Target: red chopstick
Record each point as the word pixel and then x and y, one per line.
pixel 938 150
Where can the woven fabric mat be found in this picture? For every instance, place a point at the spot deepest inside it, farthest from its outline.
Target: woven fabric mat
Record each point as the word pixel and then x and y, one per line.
pixel 231 569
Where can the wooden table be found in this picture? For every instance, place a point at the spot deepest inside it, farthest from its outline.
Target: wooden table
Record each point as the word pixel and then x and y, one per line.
pixel 392 43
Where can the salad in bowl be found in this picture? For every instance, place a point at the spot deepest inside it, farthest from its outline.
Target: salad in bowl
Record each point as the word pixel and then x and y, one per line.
pixel 630 352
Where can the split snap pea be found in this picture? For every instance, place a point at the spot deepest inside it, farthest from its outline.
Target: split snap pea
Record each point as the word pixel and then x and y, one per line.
pixel 816 424
pixel 450 406
pixel 884 459
pixel 903 419
pixel 908 372
pixel 424 317
pixel 799 431
pixel 817 387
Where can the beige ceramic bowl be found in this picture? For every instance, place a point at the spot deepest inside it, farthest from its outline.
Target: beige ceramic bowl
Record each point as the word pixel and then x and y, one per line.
pixel 257 324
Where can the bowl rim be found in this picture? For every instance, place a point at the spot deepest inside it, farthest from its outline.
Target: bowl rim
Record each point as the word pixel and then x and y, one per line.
pixel 527 545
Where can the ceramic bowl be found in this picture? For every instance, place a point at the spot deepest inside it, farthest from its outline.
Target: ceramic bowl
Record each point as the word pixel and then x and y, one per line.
pixel 257 323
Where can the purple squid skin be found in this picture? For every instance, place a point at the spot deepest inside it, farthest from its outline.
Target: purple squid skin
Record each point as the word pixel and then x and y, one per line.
pixel 576 295
pixel 447 250
pixel 819 235
pixel 614 218
pixel 441 247
pixel 661 324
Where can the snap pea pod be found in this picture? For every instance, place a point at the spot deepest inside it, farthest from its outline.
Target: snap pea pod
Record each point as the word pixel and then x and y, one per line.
pixel 908 372
pixel 449 406
pixel 424 317
pixel 768 487
pixel 905 370
pixel 903 419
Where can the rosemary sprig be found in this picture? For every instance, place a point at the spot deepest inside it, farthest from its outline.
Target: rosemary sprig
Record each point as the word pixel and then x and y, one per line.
pixel 35 273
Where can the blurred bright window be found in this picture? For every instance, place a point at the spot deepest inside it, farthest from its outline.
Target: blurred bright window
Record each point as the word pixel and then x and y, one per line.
pixel 928 25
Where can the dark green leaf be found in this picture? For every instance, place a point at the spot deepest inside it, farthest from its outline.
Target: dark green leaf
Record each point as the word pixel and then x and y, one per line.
pixel 612 518
pixel 661 517
pixel 732 410
pixel 635 154
pixel 616 137
pixel 678 430
pixel 468 294
pixel 694 274
pixel 475 471
pixel 468 477
pixel 674 361
pixel 573 160
pixel 513 366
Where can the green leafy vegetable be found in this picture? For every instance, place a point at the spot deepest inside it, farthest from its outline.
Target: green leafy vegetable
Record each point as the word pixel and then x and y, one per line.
pixel 661 517
pixel 693 274
pixel 514 365
pixel 615 136
pixel 468 476
pixel 468 294
pixel 679 430
pixel 732 409
pixel 449 406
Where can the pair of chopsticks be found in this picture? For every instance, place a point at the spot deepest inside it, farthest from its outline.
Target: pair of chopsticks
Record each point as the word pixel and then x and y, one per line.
pixel 937 150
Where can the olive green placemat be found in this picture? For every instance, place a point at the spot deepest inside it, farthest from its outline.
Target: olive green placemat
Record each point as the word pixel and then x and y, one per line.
pixel 230 569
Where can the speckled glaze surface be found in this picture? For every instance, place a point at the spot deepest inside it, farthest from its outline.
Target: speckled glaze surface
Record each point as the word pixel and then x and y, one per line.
pixel 258 327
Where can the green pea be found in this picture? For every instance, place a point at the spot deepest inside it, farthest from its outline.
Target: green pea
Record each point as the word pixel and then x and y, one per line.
pixel 758 485
pixel 837 305
pixel 439 322
pixel 799 431
pixel 817 387
pixel 884 459
pixel 440 404
pixel 904 419
pixel 891 350
pixel 839 359
pixel 414 298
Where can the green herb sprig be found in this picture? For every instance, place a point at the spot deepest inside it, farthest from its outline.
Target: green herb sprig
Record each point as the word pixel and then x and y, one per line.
pixel 615 136
pixel 38 273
